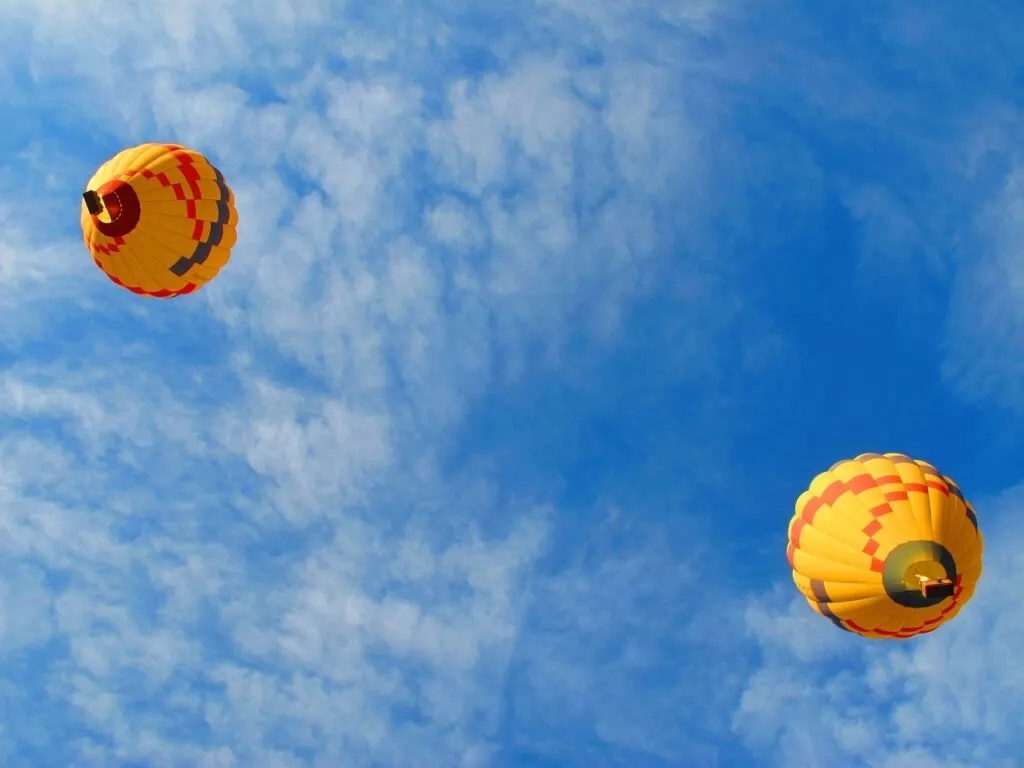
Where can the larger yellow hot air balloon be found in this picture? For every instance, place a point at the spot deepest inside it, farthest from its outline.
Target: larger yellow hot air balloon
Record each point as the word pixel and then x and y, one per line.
pixel 885 546
pixel 159 220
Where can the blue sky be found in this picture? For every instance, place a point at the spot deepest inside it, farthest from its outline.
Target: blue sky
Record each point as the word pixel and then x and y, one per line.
pixel 482 449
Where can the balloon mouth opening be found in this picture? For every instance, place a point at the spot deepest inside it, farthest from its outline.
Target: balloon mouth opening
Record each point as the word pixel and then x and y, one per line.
pixel 919 574
pixel 114 207
pixel 107 208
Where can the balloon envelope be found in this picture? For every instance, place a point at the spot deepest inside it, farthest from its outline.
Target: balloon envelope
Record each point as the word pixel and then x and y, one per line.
pixel 885 546
pixel 159 220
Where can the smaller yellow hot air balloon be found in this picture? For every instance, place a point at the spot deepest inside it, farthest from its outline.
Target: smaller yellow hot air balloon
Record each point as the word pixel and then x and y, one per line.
pixel 885 546
pixel 159 220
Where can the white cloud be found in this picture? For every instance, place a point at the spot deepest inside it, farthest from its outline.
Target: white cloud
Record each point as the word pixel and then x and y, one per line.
pixel 986 323
pixel 591 658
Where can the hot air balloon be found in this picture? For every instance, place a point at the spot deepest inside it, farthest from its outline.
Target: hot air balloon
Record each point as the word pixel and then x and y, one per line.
pixel 885 546
pixel 159 220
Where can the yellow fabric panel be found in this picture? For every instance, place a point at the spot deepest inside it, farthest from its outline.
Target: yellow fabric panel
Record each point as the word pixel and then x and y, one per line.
pixel 839 591
pixel 814 542
pixel 163 223
pixel 901 523
pixel 871 612
pixel 820 568
pixel 836 526
pixel 158 257
pixel 152 191
pixel 961 540
pixel 921 502
pixel 208 270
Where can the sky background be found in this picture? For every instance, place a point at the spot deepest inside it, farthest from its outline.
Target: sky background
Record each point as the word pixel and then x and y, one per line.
pixel 482 449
